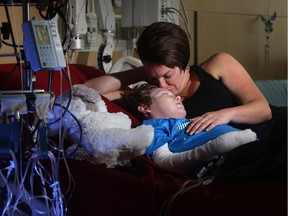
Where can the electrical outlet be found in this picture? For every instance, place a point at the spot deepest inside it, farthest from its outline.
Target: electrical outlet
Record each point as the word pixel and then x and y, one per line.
pixel 116 3
pixel 91 37
pixel 92 28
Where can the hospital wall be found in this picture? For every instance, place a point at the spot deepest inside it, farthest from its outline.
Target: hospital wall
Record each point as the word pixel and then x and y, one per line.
pixel 232 26
pixel 235 26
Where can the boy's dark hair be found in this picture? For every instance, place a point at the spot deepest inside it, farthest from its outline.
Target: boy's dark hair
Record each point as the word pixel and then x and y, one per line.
pixel 139 95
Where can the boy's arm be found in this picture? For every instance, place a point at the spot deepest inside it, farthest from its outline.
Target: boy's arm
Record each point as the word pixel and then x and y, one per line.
pixel 184 160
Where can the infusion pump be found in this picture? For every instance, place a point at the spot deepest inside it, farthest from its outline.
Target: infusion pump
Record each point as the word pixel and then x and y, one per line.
pixel 42 45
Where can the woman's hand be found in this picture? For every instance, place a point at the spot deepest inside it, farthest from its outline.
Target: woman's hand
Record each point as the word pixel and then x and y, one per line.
pixel 253 108
pixel 208 121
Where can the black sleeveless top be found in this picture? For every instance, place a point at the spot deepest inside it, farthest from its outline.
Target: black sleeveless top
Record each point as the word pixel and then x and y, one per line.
pixel 211 95
pixel 264 158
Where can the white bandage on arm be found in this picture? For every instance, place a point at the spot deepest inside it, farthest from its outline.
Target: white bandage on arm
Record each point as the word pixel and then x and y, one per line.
pixel 163 157
pixel 182 161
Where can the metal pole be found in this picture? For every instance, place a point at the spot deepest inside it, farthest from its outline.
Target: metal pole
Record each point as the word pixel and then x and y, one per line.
pixel 27 80
pixel 195 38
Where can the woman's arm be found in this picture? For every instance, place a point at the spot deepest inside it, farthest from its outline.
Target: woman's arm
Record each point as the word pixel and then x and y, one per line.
pixel 114 95
pixel 115 81
pixel 254 108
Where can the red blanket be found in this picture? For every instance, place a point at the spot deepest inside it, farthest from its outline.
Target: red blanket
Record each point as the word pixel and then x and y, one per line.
pixel 143 188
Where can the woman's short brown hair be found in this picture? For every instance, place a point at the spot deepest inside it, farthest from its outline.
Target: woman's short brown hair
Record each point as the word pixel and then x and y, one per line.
pixel 164 43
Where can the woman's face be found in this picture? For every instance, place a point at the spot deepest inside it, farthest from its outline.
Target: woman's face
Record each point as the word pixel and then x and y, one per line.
pixel 171 79
pixel 165 105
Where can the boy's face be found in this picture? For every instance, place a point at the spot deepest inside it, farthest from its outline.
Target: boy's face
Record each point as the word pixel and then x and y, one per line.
pixel 165 105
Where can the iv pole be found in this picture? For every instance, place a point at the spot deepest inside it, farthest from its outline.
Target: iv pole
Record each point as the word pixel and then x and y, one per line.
pixel 27 81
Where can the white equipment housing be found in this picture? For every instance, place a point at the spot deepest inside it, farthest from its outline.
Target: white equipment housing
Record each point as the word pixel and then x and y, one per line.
pixel 139 13
pixel 134 13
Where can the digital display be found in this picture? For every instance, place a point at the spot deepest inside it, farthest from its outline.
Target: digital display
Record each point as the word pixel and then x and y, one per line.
pixel 40 47
pixel 42 35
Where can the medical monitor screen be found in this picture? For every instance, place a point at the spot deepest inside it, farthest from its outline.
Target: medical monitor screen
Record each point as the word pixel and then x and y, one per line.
pixel 42 35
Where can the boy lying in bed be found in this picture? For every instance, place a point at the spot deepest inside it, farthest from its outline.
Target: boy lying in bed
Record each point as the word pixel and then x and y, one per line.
pixel 172 147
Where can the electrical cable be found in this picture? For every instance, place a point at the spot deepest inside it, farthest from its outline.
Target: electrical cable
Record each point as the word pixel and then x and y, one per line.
pixel 180 15
pixel 21 187
pixel 62 135
pixel 186 18
pixel 17 195
pixel 19 57
pixel 38 6
pixel 69 100
pixel 62 16
pixel 205 176
pixel 11 45
pixel 47 180
pixel 4 184
pixel 57 203
pixel 63 4
pixel 171 17
pixel 55 185
pixel 168 204
pixel 52 10
pixel 18 191
pixel 12 187
pixel 80 130
pixel 10 26
pixel 71 181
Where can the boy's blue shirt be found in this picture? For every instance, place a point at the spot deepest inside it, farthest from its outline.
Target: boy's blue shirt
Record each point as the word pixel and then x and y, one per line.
pixel 172 131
